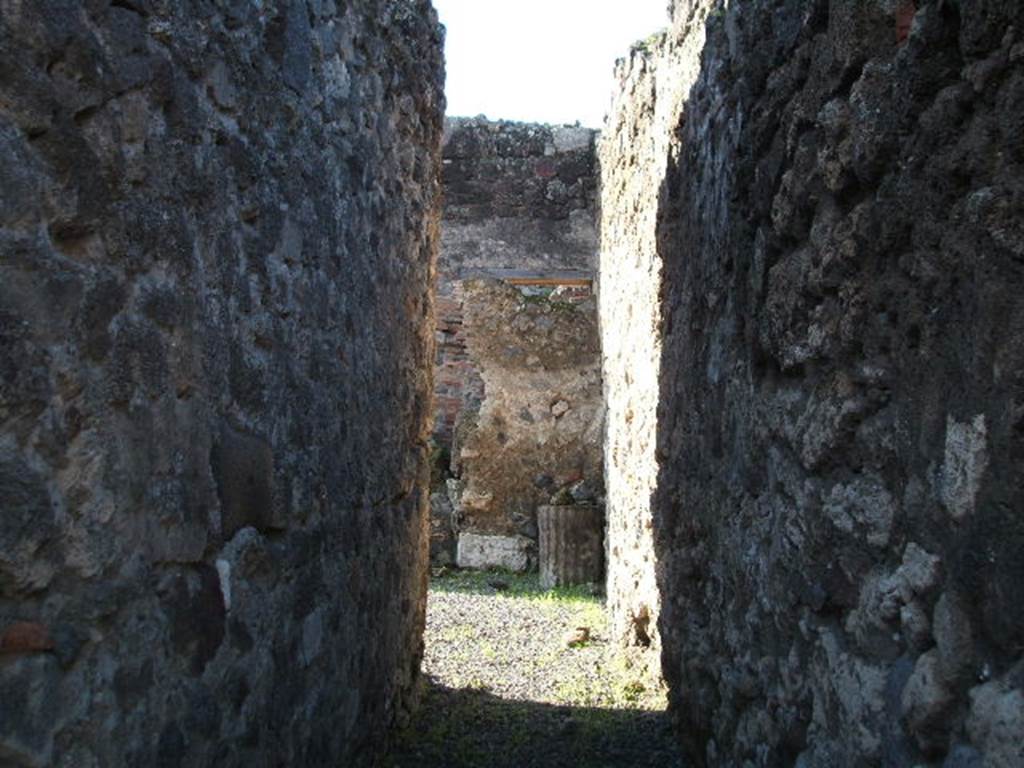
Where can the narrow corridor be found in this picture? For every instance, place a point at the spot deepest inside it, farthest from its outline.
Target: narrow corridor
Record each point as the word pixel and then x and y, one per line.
pixel 510 682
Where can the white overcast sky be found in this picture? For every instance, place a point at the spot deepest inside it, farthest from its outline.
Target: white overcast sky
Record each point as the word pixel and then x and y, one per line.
pixel 545 61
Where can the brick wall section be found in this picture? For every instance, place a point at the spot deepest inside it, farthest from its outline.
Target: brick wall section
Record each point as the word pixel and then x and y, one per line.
pixel 457 382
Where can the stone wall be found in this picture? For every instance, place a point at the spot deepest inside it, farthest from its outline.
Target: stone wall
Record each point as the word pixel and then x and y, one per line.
pixel 836 519
pixel 520 201
pixel 538 429
pixel 635 151
pixel 518 197
pixel 217 228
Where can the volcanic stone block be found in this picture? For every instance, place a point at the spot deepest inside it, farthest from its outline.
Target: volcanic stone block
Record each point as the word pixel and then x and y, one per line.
pixel 26 526
pixel 443 540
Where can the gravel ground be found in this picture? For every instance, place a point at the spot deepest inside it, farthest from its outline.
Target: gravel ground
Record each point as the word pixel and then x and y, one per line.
pixel 504 688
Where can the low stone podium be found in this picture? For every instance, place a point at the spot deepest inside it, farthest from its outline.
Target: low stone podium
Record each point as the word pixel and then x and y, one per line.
pixel 571 544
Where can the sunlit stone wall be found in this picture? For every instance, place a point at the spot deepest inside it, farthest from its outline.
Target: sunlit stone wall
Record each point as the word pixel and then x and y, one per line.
pixel 636 149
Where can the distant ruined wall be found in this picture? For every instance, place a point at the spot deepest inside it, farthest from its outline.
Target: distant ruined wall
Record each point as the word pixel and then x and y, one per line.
pixel 837 516
pixel 519 198
pixel 539 425
pixel 518 195
pixel 217 229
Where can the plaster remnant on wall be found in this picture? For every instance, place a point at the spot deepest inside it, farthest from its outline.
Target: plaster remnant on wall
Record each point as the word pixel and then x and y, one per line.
pixel 964 464
pixel 224 574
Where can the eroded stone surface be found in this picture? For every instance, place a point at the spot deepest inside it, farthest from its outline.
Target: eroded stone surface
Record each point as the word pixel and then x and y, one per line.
pixel 829 247
pixel 539 425
pixel 520 200
pixel 635 152
pixel 217 222
pixel 996 723
pixel 518 195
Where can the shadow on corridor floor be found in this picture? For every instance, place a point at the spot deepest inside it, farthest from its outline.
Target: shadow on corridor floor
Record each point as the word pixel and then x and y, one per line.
pixel 472 728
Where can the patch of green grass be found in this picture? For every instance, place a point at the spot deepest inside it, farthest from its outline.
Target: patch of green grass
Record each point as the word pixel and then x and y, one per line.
pixel 579 692
pixel 650 43
pixel 590 695
pixel 488 651
pixel 615 682
pixel 590 614
pixel 518 585
pixel 633 691
pixel 458 632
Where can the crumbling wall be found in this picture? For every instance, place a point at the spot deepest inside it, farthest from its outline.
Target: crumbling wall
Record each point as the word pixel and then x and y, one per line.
pixel 518 197
pixel 520 200
pixel 635 151
pixel 539 426
pixel 837 513
pixel 217 227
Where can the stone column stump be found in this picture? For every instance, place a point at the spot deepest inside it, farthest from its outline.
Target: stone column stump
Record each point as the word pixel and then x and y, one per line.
pixel 571 544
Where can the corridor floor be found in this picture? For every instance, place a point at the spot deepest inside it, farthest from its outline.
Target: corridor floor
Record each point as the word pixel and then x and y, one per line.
pixel 506 683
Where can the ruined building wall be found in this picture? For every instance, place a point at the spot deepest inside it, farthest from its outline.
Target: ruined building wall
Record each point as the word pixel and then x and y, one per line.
pixel 837 514
pixel 539 426
pixel 217 226
pixel 634 153
pixel 520 199
pixel 518 196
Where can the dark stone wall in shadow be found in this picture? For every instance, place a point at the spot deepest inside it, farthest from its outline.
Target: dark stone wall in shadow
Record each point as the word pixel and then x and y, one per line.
pixel 837 519
pixel 218 226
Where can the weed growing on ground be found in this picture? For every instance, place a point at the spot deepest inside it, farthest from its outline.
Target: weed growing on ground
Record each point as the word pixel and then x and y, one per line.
pixel 510 584
pixel 616 678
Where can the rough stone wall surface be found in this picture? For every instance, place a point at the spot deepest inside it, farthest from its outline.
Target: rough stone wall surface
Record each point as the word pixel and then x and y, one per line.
pixel 539 425
pixel 217 227
pixel 634 152
pixel 518 196
pixel 837 518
